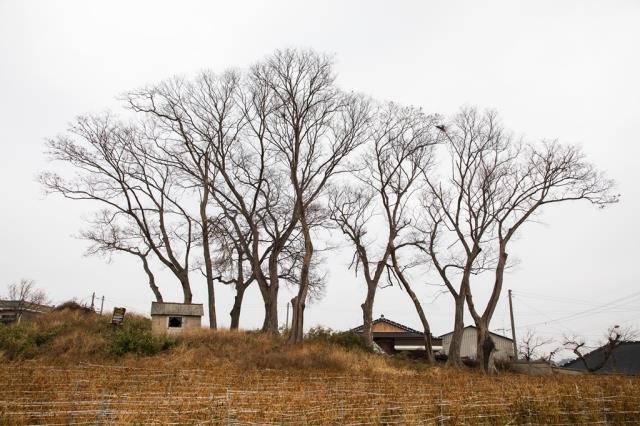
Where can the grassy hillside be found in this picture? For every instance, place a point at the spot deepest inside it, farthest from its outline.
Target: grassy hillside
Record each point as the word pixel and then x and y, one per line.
pixel 72 368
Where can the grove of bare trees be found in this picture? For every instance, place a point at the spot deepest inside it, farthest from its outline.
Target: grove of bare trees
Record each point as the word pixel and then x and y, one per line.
pixel 241 176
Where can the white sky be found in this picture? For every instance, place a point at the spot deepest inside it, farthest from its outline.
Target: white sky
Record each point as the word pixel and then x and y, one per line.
pixel 568 70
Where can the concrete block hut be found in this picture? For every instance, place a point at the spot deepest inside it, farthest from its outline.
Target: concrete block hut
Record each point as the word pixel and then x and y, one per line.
pixel 175 318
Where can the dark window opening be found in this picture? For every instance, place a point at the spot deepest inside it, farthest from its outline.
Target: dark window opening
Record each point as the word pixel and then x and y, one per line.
pixel 175 322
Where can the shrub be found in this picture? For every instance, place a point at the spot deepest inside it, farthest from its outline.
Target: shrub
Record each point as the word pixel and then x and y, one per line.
pixel 134 336
pixel 23 340
pixel 346 339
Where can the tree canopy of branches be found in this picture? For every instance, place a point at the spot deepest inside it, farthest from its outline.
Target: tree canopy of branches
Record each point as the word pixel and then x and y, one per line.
pixel 236 176
pixel 400 141
pixel 497 184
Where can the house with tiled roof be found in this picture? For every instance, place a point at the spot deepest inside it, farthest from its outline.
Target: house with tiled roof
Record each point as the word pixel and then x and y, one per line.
pixel 393 337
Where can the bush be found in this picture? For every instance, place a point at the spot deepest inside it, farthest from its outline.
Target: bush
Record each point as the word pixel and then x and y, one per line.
pixel 76 334
pixel 23 341
pixel 134 336
pixel 346 339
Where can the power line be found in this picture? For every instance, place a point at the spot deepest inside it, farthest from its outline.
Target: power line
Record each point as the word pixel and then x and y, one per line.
pixel 590 311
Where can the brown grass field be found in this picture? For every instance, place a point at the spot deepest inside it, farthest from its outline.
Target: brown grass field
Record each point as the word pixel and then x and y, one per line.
pixel 72 368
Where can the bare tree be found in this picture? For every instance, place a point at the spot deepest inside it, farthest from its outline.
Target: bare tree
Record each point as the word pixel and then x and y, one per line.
pixel 530 345
pixel 115 166
pixel 316 126
pixel 459 211
pixel 496 186
pixel 400 146
pixel 191 119
pixel 615 336
pixel 231 262
pixel 537 176
pixel 25 294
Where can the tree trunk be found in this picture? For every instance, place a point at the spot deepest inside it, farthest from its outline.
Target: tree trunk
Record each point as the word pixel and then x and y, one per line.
pixel 429 357
pixel 485 348
pixel 152 279
pixel 297 321
pixel 206 251
pixel 367 316
pixel 454 357
pixel 299 302
pixel 186 287
pixel 237 306
pixel 270 296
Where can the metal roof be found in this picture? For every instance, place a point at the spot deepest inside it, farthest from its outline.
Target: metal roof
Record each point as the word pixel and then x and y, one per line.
pixel 625 359
pixel 184 309
pixel 473 326
pixel 9 305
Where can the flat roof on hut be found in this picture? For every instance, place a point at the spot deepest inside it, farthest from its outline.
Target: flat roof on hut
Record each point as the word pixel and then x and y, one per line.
pixel 175 317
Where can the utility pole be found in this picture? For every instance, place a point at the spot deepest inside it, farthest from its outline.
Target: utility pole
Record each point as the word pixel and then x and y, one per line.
pixel 101 304
pixel 513 328
pixel 93 298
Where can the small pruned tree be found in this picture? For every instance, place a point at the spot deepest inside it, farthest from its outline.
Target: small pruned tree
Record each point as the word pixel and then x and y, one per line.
pixel 24 294
pixel 531 344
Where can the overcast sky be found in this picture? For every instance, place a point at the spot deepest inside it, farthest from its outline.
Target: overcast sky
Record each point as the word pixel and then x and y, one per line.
pixel 567 70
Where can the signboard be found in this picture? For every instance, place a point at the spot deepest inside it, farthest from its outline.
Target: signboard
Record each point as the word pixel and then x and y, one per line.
pixel 118 316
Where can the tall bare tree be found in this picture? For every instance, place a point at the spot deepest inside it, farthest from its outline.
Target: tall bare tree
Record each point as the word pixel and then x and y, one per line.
pixel 314 129
pixel 115 166
pixel 190 120
pixel 399 148
pixel 539 175
pixel 459 209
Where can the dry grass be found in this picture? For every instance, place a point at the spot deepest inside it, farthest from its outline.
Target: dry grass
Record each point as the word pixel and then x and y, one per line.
pixel 245 378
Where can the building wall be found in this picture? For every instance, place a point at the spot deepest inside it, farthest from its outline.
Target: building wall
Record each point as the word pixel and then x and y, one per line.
pixel 382 327
pixel 9 316
pixel 504 347
pixel 159 324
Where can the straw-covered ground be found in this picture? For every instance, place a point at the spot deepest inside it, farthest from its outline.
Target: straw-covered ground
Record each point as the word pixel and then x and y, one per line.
pixel 73 368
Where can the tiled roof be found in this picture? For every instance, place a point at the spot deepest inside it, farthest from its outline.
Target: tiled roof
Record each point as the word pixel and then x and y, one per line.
pixel 382 319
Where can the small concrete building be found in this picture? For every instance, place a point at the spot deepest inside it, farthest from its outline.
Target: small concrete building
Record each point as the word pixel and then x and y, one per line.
pixel 504 345
pixel 174 318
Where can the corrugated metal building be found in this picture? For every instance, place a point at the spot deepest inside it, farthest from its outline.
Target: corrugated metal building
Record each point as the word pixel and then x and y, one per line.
pixel 504 345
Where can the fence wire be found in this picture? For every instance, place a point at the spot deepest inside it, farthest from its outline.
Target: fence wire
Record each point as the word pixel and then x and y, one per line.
pixel 107 394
